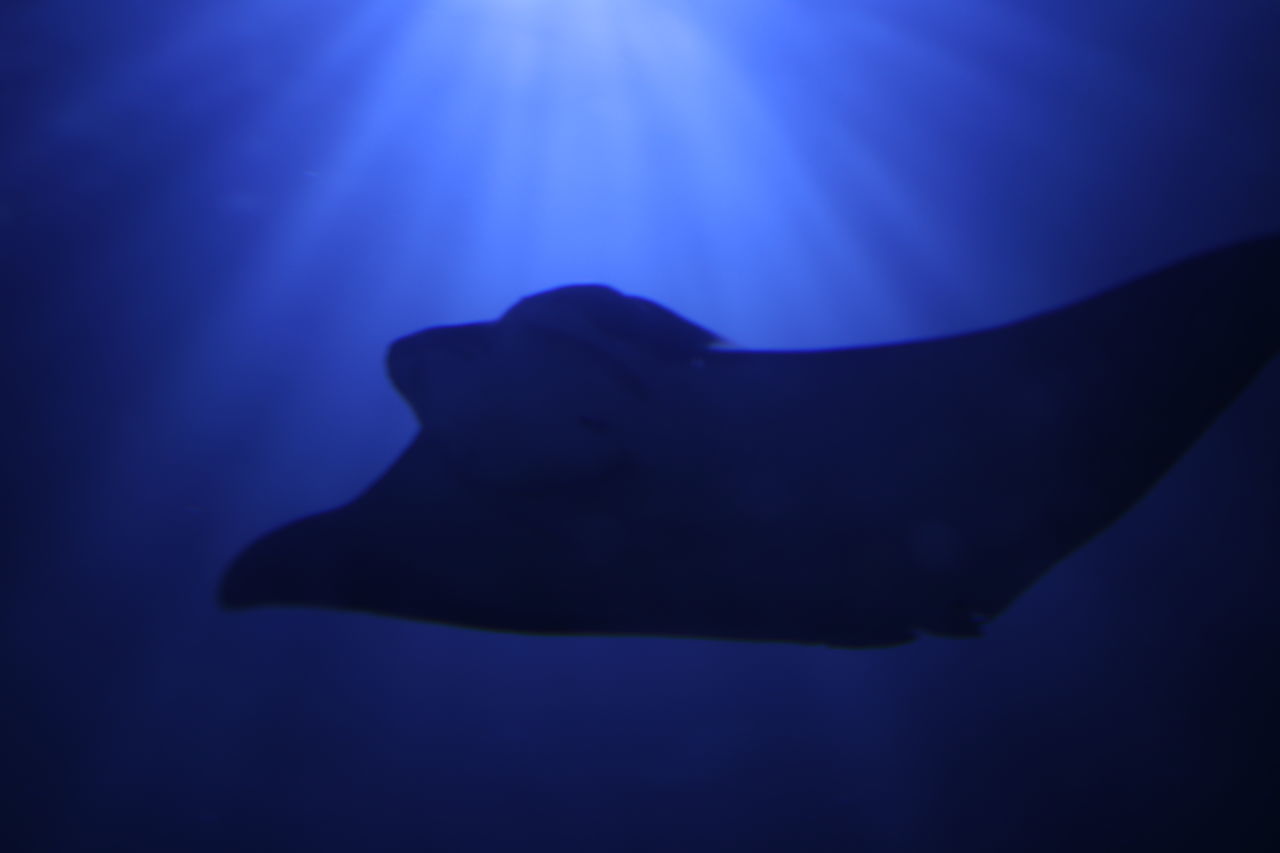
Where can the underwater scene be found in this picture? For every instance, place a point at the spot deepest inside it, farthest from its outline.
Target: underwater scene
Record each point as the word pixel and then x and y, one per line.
pixel 640 426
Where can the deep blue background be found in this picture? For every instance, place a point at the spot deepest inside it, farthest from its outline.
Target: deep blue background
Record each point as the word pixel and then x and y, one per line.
pixel 214 216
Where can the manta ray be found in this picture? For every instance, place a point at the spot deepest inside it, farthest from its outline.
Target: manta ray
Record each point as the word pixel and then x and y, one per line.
pixel 593 463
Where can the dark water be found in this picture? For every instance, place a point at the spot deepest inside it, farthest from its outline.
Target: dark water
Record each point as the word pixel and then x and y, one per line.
pixel 215 216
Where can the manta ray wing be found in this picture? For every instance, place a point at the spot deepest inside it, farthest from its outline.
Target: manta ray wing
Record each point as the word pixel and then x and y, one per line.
pixel 590 463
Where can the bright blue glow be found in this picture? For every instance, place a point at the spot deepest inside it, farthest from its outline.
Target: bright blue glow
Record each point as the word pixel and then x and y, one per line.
pixel 797 175
pixel 215 216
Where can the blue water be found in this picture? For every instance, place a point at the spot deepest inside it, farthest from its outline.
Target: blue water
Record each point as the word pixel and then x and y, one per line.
pixel 214 217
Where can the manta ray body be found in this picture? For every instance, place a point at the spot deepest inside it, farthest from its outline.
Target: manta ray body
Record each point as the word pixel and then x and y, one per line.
pixel 592 463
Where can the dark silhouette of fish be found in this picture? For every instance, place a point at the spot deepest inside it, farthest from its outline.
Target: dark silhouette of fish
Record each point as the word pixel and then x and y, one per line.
pixel 592 463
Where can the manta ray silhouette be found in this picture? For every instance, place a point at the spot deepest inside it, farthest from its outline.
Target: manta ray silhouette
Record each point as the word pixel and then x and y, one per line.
pixel 591 463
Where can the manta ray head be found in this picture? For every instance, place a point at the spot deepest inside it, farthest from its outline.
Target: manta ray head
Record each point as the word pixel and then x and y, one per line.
pixel 548 393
